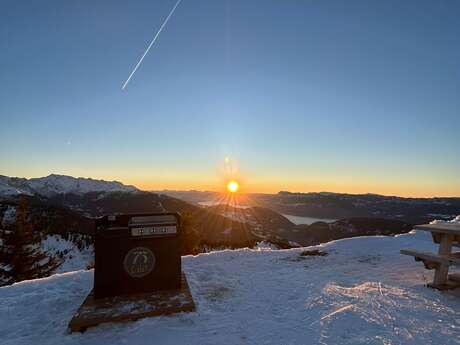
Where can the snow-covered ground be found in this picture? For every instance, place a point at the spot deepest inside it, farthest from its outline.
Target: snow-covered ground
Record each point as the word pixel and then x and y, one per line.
pixel 297 220
pixel 363 292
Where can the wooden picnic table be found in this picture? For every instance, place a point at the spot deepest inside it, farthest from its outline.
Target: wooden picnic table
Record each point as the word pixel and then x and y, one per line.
pixel 447 235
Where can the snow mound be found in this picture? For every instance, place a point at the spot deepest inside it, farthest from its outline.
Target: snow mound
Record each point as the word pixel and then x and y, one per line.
pixel 363 292
pixel 455 220
pixel 58 184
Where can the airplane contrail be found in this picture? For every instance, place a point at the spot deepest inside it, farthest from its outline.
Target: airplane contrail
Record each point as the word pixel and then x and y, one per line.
pixel 151 44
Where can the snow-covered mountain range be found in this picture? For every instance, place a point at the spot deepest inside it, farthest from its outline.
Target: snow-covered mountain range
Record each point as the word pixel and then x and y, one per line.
pixel 58 184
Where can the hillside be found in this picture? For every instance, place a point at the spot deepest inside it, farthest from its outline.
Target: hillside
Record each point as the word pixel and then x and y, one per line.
pixel 67 219
pixel 362 292
pixel 321 232
pixel 339 206
pixel 276 228
pixel 62 204
pixel 63 209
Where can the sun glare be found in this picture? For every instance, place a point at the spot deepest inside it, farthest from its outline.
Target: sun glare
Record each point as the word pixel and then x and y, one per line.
pixel 233 186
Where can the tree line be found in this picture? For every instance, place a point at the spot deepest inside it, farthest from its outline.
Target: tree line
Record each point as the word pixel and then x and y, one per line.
pixel 21 254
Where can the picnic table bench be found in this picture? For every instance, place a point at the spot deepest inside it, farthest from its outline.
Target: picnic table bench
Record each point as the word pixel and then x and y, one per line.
pixel 447 235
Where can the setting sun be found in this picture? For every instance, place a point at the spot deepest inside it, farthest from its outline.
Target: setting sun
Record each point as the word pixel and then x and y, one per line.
pixel 233 186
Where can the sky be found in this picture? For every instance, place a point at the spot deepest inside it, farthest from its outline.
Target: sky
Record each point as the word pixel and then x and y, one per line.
pixel 343 96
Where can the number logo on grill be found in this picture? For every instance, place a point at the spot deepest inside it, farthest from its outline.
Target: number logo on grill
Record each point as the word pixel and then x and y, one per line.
pixel 139 262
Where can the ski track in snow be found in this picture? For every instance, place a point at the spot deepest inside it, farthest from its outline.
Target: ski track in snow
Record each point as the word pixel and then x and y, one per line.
pixel 363 292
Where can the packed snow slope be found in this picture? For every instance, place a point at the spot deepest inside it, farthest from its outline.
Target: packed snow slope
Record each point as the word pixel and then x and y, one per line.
pixel 363 292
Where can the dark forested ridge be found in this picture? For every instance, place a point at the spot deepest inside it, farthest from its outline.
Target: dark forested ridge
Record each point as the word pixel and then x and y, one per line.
pixel 70 216
pixel 65 205
pixel 215 227
pixel 340 206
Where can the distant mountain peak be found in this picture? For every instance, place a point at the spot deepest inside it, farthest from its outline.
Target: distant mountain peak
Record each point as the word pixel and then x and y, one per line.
pixel 59 184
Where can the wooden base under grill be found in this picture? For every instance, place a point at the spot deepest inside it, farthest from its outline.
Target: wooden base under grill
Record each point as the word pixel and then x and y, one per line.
pixel 133 307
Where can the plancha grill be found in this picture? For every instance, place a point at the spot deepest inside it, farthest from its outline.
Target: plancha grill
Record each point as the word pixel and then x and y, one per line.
pixel 137 253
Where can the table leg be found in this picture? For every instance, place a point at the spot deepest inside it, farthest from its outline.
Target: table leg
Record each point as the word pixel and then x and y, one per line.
pixel 442 271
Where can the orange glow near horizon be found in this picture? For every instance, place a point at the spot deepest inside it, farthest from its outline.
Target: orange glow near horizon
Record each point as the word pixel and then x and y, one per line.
pixel 272 188
pixel 216 177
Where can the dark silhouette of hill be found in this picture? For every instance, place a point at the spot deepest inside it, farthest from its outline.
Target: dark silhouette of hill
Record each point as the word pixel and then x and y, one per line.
pixel 339 206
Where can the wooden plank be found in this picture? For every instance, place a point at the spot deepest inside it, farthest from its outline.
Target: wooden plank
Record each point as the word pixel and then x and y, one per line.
pixel 432 257
pixel 450 229
pixel 442 271
pixel 438 230
pixel 133 307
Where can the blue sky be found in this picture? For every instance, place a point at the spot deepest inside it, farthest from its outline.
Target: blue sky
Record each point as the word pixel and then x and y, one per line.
pixel 351 96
